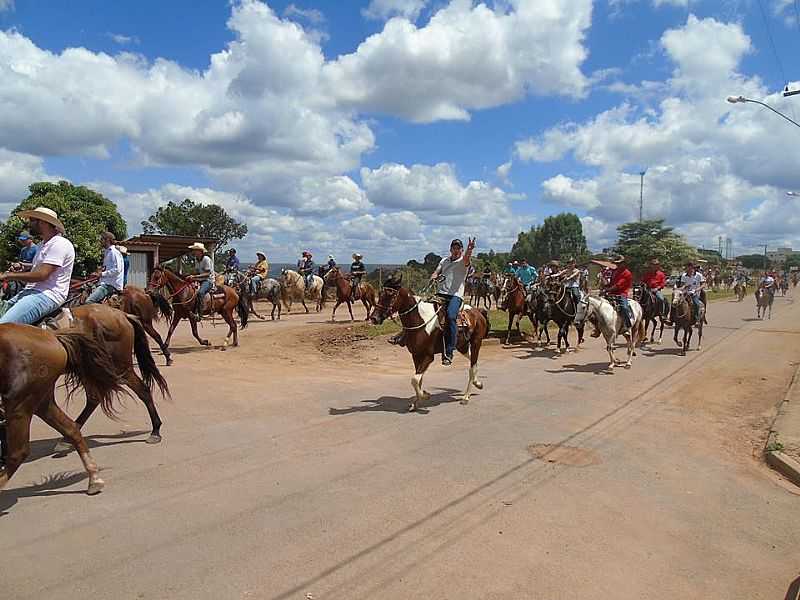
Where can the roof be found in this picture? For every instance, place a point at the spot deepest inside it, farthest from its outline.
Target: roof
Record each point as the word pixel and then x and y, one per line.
pixel 169 246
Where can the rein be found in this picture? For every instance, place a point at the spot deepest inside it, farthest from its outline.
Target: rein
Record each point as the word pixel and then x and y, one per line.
pixel 408 311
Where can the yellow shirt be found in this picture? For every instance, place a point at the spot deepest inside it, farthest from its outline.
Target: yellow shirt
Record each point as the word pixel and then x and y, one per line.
pixel 262 268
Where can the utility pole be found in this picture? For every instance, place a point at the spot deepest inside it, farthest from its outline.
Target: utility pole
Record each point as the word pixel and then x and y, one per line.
pixel 641 194
pixel 766 261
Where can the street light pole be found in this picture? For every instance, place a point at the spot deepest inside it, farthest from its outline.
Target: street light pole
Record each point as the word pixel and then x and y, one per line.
pixel 742 100
pixel 641 194
pixel 766 263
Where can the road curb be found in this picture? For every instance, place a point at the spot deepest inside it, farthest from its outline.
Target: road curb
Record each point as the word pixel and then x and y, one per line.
pixel 786 465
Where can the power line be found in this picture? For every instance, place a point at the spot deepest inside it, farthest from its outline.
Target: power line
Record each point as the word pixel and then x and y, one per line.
pixel 772 42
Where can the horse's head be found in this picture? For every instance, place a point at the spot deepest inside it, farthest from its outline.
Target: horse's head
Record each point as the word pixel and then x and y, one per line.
pixel 332 273
pixel 678 296
pixel 157 279
pixel 582 311
pixel 638 292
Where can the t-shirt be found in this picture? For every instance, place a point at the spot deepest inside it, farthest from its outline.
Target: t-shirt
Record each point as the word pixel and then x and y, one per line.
pixel 691 283
pixel 767 282
pixel 204 264
pixel 59 252
pixel 26 254
pixel 527 274
pixel 358 268
pixel 113 272
pixel 455 274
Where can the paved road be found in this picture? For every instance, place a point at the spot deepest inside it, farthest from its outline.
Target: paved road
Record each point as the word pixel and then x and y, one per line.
pixel 555 482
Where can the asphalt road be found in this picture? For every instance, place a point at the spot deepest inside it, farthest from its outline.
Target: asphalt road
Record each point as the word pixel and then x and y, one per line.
pixel 277 480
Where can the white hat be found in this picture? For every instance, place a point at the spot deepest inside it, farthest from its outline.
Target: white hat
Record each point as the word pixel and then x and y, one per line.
pixel 357 256
pixel 122 249
pixel 43 214
pixel 198 246
pixel 260 253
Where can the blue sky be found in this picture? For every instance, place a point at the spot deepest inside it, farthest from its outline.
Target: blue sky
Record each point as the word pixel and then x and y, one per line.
pixel 380 126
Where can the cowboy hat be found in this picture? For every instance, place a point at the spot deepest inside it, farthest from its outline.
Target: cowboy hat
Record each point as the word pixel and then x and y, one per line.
pixel 43 214
pixel 618 259
pixel 259 253
pixel 122 249
pixel 553 263
pixel 357 256
pixel 198 246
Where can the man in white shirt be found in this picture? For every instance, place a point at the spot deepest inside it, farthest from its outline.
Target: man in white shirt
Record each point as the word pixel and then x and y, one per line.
pixel 767 283
pixel 453 271
pixel 47 283
pixel 112 275
pixel 204 275
pixel 692 282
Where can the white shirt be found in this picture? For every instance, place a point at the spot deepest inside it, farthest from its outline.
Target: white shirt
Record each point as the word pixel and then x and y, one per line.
pixel 767 282
pixel 455 273
pixel 59 252
pixel 691 283
pixel 113 272
pixel 204 265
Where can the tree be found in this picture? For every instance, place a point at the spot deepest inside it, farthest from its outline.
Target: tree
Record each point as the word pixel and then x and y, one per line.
pixel 559 237
pixel 195 220
pixel 753 261
pixel 642 241
pixel 84 212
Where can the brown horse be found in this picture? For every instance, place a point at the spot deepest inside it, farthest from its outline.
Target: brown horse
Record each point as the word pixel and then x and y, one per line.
pixel 31 361
pixel 344 290
pixel 148 308
pixel 123 336
pixel 182 294
pixel 424 336
pixel 514 302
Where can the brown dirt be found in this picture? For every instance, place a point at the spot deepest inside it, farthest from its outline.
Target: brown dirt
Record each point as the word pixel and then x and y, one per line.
pixel 569 456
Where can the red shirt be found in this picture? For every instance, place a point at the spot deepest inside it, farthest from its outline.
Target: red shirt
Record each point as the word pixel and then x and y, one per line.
pixel 655 280
pixel 621 282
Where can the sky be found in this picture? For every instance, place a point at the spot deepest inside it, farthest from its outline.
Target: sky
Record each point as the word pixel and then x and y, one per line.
pixel 389 127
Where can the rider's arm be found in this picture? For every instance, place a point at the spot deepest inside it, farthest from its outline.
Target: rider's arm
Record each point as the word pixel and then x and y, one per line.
pixel 468 253
pixel 40 273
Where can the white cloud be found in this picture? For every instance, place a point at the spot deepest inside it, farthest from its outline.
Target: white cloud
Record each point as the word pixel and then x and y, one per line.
pixel 503 171
pixel 312 15
pixel 6 5
pixel 384 9
pixel 123 40
pixel 17 172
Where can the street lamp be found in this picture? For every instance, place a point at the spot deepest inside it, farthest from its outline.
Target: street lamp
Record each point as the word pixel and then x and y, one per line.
pixel 641 193
pixel 742 100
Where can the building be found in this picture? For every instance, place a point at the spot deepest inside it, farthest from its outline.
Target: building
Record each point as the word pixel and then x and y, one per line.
pixel 781 254
pixel 147 251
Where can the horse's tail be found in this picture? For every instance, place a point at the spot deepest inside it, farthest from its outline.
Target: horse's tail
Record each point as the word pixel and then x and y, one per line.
pixel 162 305
pixel 242 309
pixel 147 364
pixel 90 365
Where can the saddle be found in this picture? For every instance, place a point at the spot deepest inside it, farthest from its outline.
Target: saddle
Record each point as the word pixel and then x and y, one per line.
pixel 462 319
pixel 49 320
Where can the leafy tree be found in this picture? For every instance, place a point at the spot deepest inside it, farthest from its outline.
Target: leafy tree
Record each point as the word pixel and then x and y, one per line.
pixel 431 261
pixel 641 241
pixel 559 237
pixel 753 261
pixel 496 261
pixel 197 220
pixel 84 212
pixel 793 260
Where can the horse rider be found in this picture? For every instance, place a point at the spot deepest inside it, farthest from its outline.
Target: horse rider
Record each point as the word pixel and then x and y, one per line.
pixel 357 271
pixel 47 282
pixel 204 275
pixel 233 264
pixel 570 276
pixel 584 279
pixel 620 288
pixel 551 268
pixel 112 273
pixel 767 283
pixel 656 280
pixel 511 269
pixel 28 249
pixel 527 274
pixel 453 271
pixel 126 264
pixel 326 268
pixel 305 266
pixel 693 283
pixel 260 272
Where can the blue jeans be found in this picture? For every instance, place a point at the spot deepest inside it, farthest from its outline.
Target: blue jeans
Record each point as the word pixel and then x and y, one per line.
pixel 100 293
pixel 696 304
pixel 453 306
pixel 27 307
pixel 626 310
pixel 254 283
pixel 205 287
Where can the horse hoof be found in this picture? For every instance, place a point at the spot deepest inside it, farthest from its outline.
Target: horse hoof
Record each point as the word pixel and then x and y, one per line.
pixel 62 447
pixel 153 439
pixel 464 400
pixel 426 396
pixel 478 384
pixel 95 487
pixel 205 343
pixel 169 362
pixel 412 408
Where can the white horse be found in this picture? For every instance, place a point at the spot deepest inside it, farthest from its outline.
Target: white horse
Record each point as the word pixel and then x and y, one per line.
pixel 602 314
pixel 293 288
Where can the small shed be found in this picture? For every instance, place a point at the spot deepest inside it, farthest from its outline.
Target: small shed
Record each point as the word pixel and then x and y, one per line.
pixel 146 251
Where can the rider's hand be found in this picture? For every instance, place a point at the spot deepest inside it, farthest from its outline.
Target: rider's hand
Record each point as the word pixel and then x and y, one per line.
pixel 471 243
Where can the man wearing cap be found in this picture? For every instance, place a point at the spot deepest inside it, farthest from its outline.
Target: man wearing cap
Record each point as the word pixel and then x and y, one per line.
pixel 767 284
pixel 620 287
pixel 47 283
pixel 112 275
pixel 453 271
pixel 232 265
pixel 693 283
pixel 549 269
pixel 357 271
pixel 28 250
pixel 204 274
pixel 260 272
pixel 305 266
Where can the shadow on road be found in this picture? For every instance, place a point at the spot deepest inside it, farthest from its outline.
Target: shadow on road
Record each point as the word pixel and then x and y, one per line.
pixel 44 448
pixel 394 404
pixel 595 368
pixel 48 487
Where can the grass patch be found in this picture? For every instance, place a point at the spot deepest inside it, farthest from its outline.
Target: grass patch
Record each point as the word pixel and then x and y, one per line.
pixel 498 323
pixel 719 295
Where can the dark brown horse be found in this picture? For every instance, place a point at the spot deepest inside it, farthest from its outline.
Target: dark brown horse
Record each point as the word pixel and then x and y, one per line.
pixel 424 338
pixel 182 294
pixel 513 300
pixel 344 290
pixel 684 319
pixel 31 361
pixel 123 336
pixel 148 308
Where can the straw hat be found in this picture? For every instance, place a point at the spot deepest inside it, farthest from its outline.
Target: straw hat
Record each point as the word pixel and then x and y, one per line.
pixel 123 250
pixel 198 246
pixel 43 214
pixel 618 259
pixel 259 253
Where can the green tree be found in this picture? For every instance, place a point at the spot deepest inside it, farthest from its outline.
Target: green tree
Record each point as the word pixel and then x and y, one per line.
pixel 559 237
pixel 752 261
pixel 196 220
pixel 793 260
pixel 84 212
pixel 641 241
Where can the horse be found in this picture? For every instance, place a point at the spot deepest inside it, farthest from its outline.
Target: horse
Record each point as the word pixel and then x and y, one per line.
pixel 540 312
pixel 148 308
pixel 268 289
pixel 740 289
pixel 293 287
pixel 764 301
pixel 31 361
pixel 653 311
pixel 182 294
pixel 483 289
pixel 563 313
pixel 123 335
pixel 604 316
pixel 424 335
pixel 344 288
pixel 682 317
pixel 784 286
pixel 513 301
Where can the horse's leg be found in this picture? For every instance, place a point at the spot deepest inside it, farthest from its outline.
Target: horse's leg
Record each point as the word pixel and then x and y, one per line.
pixel 610 349
pixel 65 445
pixel 510 323
pixel 193 324
pixel 153 333
pixel 335 306
pixel 660 332
pixel 474 350
pixel 421 365
pixel 18 435
pixel 700 337
pixel 175 320
pixel 233 331
pixel 135 383
pixel 51 414
pixel 303 302
pixel 350 310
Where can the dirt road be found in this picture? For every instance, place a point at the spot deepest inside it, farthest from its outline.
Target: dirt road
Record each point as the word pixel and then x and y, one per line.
pixel 291 472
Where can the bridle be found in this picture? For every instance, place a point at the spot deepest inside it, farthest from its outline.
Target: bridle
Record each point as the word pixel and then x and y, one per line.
pixel 163 282
pixel 390 310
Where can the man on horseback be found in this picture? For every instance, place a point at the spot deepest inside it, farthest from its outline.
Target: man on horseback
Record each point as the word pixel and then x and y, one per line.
pixel 551 268
pixel 357 271
pixel 767 283
pixel 571 276
pixel 655 279
pixel 453 271
pixel 28 250
pixel 51 270
pixel 232 265
pixel 527 274
pixel 260 272
pixel 126 264
pixel 204 274
pixel 693 283
pixel 620 289
pixel 112 274
pixel 305 267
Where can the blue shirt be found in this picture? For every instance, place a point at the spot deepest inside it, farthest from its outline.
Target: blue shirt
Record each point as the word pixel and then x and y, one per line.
pixel 26 254
pixel 527 275
pixel 233 263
